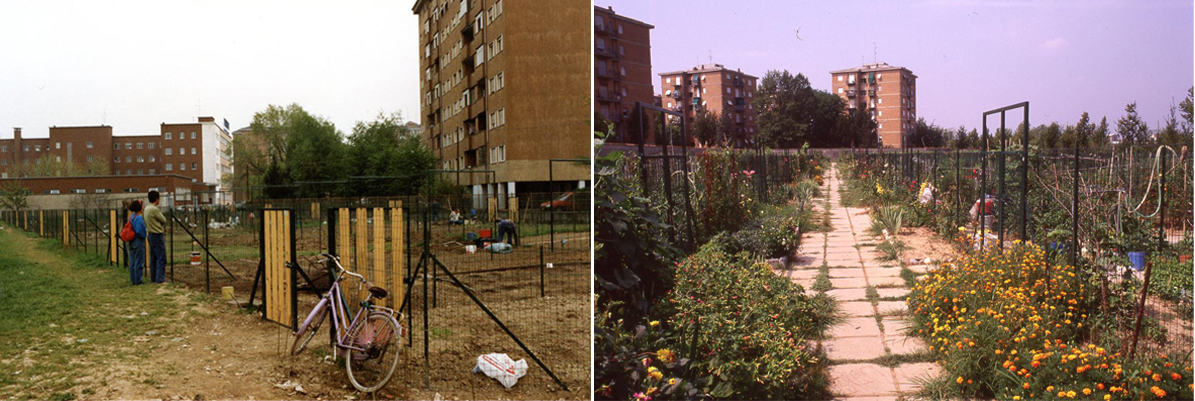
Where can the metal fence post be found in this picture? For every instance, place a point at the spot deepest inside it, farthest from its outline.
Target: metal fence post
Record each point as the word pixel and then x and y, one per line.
pixel 1075 211
pixel 1162 206
pixel 541 271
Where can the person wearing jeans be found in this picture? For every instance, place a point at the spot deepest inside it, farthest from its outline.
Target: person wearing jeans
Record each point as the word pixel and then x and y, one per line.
pixel 137 245
pixel 154 222
pixel 506 229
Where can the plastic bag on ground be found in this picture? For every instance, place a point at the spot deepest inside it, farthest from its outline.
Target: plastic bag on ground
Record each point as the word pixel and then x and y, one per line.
pixel 501 368
pixel 499 247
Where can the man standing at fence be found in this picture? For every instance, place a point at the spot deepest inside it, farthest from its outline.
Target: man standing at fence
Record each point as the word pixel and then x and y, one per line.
pixel 155 221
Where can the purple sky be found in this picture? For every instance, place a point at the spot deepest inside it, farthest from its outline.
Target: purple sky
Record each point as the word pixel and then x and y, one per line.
pixel 1064 57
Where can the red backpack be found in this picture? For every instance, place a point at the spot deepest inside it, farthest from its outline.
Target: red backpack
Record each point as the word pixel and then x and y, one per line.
pixel 127 234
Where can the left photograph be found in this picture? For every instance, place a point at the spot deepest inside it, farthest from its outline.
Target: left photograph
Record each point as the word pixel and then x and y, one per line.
pixel 309 200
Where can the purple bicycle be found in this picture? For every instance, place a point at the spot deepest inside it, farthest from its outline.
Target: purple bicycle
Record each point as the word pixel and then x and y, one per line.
pixel 372 343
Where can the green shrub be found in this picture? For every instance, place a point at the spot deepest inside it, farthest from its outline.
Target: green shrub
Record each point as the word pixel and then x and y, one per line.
pixel 645 360
pixel 753 327
pixel 774 233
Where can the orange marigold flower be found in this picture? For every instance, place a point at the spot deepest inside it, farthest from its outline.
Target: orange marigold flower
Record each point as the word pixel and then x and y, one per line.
pixel 1156 377
pixel 1175 376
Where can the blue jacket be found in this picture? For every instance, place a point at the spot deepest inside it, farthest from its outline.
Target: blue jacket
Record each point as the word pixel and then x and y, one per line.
pixel 138 223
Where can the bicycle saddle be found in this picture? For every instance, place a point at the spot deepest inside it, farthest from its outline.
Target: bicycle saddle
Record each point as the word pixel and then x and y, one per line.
pixel 378 292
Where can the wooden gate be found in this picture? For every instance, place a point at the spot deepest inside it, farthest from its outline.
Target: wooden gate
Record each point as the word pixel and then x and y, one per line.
pixel 280 299
pixel 360 237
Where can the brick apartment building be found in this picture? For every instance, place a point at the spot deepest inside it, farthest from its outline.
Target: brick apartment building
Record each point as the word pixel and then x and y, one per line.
pixel 889 92
pixel 622 67
pixel 503 88
pixel 198 151
pixel 715 89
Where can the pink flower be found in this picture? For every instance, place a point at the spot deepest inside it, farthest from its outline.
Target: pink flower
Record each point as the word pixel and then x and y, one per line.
pixel 642 397
pixel 646 361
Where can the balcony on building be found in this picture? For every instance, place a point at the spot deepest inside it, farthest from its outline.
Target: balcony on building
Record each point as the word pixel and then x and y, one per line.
pixel 604 52
pixel 604 74
pixel 467 32
pixel 696 80
pixel 871 92
pixel 740 103
pixel 738 81
pixel 676 94
pixel 851 93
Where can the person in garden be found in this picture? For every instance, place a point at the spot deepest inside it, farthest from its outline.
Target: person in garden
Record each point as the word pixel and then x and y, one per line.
pixel 155 221
pixel 137 245
pixel 455 217
pixel 506 229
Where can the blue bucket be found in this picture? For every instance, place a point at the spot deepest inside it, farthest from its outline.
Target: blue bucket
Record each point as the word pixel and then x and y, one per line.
pixel 470 236
pixel 1138 260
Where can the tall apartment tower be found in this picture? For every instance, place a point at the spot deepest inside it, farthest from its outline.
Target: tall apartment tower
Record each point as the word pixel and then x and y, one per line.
pixel 503 89
pixel 889 92
pixel 715 89
pixel 622 67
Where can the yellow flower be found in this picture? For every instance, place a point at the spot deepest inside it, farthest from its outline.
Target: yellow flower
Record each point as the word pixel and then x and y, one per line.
pixel 959 380
pixel 1071 394
pixel 1086 391
pixel 654 373
pixel 665 355
pixel 654 323
pixel 672 381
pixel 1107 397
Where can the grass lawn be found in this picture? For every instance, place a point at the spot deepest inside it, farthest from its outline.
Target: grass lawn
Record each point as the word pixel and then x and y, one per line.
pixel 64 316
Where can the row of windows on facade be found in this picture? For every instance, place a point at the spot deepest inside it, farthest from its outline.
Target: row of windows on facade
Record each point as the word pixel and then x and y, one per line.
pixel 442 88
pixel 603 65
pixel 880 88
pixel 497 155
pixel 600 45
pixel 599 23
pixel 479 21
pixel 850 78
pixel 101 190
pixel 480 56
pixel 728 103
pixel 702 77
pixel 496 119
pixel 729 91
pixel 496 83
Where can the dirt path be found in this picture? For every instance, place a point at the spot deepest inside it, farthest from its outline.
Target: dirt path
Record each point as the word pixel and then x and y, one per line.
pixel 870 353
pixel 197 347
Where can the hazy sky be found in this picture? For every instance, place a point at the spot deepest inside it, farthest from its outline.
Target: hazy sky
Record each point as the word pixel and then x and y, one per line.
pixel 1064 57
pixel 136 64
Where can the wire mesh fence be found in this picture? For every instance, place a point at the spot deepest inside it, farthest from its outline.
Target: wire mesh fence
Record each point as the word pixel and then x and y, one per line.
pixel 1124 214
pixel 539 290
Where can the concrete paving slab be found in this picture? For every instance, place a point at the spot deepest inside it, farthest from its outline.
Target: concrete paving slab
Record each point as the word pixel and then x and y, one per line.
pixel 883 271
pixel 857 309
pixel 887 307
pixel 908 375
pixel 856 327
pixel 862 379
pixel 904 345
pixel 846 272
pixel 806 274
pixel 848 294
pixel 894 326
pixel 886 281
pixel 848 283
pixel 892 292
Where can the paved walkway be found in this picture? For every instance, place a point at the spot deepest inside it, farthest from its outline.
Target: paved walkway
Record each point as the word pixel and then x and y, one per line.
pixel 865 349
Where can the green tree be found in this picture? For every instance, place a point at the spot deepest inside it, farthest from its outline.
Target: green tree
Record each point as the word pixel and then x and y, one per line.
pixel 383 148
pixel 927 135
pixel 792 113
pixel 290 145
pixel 705 128
pixel 728 133
pixel 1172 131
pixel 856 129
pixel 14 196
pixel 1101 137
pixel 1186 109
pixel 1131 128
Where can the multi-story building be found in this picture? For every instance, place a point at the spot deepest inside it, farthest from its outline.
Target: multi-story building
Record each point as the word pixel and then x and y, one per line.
pixel 715 89
pixel 199 151
pixel 503 91
pixel 622 67
pixel 889 93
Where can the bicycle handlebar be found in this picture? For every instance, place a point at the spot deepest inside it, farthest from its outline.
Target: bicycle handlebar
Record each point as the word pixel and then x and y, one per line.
pixel 336 261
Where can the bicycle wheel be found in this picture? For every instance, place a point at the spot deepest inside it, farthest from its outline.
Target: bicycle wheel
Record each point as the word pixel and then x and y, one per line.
pixel 310 326
pixel 370 369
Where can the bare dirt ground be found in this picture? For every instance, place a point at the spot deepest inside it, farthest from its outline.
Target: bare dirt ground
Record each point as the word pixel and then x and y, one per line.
pixel 923 243
pixel 211 349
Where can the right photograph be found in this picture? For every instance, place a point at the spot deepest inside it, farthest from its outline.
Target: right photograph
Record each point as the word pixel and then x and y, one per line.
pixel 932 200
